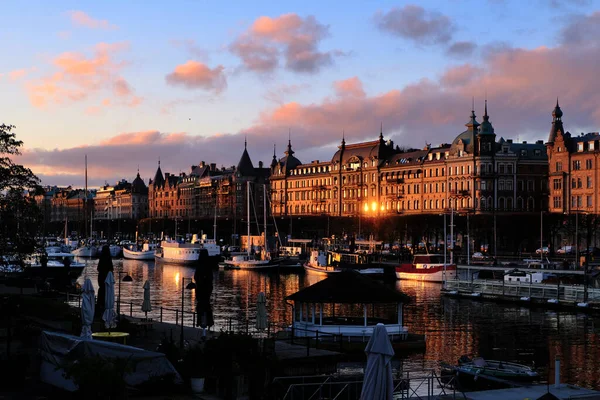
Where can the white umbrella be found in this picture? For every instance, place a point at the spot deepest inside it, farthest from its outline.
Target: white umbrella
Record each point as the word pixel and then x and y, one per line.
pixel 261 312
pixel 88 304
pixel 109 315
pixel 378 383
pixel 146 306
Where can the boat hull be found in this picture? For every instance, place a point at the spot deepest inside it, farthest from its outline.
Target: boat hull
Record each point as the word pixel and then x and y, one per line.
pixel 435 274
pixel 138 255
pixel 87 251
pixel 210 261
pixel 323 271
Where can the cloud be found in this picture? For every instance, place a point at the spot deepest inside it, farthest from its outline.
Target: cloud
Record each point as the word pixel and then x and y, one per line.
pixel 415 23
pixel 290 36
pixel 191 47
pixel 581 29
pixel 280 92
pixel 17 74
pixel 197 75
pixel 349 87
pixel 64 34
pixel 521 86
pixel 80 18
pixel 79 77
pixel 461 49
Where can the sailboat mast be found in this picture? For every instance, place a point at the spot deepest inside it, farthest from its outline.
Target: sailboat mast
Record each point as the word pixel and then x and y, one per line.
pixel 265 216
pixel 215 222
pixel 85 200
pixel 248 213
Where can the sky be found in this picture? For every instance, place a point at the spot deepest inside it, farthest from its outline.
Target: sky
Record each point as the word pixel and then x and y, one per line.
pixel 129 83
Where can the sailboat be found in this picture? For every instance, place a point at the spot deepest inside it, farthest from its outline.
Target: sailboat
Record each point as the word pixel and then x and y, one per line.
pixel 86 249
pixel 248 261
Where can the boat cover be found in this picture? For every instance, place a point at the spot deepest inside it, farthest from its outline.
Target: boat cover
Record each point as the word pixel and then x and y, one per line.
pixel 56 348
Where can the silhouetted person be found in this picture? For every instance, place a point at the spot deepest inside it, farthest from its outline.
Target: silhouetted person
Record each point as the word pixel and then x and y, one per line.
pixel 44 264
pixel 104 267
pixel 204 287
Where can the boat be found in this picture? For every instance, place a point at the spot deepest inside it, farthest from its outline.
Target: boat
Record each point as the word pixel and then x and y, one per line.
pixel 135 252
pixel 85 250
pixel 262 260
pixel 56 260
pixel 317 264
pixel 175 252
pixel 330 262
pixel 211 246
pixel 509 371
pixel 427 267
pixel 115 250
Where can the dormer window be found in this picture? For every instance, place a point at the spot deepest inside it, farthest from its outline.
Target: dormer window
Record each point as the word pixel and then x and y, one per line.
pixel 579 146
pixel 523 152
pixel 591 146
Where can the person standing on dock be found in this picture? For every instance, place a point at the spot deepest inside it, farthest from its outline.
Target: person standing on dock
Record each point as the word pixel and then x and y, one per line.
pixel 105 266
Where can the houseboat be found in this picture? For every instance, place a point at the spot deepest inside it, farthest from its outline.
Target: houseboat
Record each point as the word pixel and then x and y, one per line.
pixel 427 267
pixel 174 252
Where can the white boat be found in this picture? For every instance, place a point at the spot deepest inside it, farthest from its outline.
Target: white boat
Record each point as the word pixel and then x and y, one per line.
pixel 211 246
pixel 87 250
pixel 317 264
pixel 146 252
pixel 249 261
pixel 174 252
pixel 56 260
pixel 427 267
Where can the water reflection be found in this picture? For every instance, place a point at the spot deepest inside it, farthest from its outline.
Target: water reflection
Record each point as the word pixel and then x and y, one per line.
pixel 453 326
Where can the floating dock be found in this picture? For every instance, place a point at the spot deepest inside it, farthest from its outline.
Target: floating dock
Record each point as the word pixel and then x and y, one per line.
pixel 563 392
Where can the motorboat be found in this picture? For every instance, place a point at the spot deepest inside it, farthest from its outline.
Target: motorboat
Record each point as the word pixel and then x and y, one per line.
pixel 427 267
pixel 56 260
pixel 86 250
pixel 136 252
pixel 479 367
pixel 330 262
pixel 175 252
pixel 317 264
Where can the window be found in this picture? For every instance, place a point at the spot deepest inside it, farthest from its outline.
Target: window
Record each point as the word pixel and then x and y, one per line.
pixel 589 201
pixel 573 183
pixel 558 166
pixel 501 167
pixel 508 185
pixel 579 184
pixel 530 185
pixel 579 146
pixel 576 165
pixel 588 163
pixel 589 182
pixel 557 184
pixel 523 152
pixel 537 152
pixel 509 169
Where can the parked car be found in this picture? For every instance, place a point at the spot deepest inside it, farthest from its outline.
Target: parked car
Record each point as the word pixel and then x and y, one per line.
pixel 543 250
pixel 566 250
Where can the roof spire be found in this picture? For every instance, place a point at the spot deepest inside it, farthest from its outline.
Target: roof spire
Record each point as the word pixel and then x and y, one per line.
pixel 485 114
pixel 473 104
pixel 381 131
pixel 158 161
pixel 557 102
pixel 274 150
pixel 343 137
pixel 245 141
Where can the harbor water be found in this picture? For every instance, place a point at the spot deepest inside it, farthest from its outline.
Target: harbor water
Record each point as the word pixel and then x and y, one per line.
pixel 453 327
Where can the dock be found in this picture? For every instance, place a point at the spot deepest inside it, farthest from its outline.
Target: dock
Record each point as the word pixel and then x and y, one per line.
pixel 540 294
pixel 563 392
pixel 503 268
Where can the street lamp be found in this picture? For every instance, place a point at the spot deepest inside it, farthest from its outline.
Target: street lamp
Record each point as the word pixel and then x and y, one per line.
pixel 189 286
pixel 126 278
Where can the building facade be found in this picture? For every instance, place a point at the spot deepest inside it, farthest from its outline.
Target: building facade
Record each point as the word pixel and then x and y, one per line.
pixel 124 200
pixel 475 173
pixel 207 192
pixel 573 162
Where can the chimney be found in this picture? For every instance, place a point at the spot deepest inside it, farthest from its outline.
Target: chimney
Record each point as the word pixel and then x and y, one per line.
pixel 524 141
pixel 539 142
pixel 260 164
pixel 509 141
pixel 202 164
pixel 167 175
pixel 213 167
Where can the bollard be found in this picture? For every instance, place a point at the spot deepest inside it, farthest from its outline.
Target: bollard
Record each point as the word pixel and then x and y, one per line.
pixel 131 309
pixel 194 319
pixel 557 372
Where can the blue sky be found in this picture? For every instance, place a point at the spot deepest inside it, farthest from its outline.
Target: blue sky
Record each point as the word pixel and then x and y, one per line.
pixel 393 57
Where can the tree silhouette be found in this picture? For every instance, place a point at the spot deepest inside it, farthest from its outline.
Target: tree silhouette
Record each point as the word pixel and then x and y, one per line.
pixel 20 217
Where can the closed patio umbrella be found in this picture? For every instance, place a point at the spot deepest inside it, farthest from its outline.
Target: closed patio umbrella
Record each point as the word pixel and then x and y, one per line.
pixel 378 383
pixel 109 315
pixel 88 303
pixel 261 312
pixel 146 306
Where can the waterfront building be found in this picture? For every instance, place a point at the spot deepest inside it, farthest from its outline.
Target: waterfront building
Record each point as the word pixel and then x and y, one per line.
pixel 475 174
pixel 573 164
pixel 124 200
pixel 207 191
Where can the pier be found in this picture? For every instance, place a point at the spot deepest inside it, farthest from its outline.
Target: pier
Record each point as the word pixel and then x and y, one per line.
pixel 540 293
pixel 503 268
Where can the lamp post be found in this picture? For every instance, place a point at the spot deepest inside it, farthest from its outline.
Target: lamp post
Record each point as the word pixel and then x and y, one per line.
pixel 126 278
pixel 189 286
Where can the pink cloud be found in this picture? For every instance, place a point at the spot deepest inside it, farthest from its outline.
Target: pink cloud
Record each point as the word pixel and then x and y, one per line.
pixel 349 87
pixel 17 74
pixel 79 77
pixel 295 38
pixel 197 75
pixel 80 18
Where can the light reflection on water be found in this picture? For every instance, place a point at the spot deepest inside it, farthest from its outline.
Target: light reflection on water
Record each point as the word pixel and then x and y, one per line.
pixel 453 326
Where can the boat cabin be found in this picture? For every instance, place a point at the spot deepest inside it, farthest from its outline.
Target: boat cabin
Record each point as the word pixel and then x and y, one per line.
pixel 314 308
pixel 516 276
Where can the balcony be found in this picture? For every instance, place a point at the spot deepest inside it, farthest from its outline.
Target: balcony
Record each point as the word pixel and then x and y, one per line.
pixel 400 180
pixel 460 192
